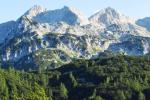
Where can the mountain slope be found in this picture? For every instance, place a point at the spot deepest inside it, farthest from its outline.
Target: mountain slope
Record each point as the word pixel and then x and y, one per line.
pixel 117 77
pixel 109 16
pixel 7 30
pixel 68 32
pixel 145 22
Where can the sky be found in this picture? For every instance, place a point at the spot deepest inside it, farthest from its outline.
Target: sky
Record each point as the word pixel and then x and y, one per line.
pixel 13 9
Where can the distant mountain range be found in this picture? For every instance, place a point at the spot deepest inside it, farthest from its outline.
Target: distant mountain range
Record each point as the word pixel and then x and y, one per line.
pixel 51 38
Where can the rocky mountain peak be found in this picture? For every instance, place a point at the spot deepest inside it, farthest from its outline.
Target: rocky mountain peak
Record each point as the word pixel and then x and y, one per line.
pixel 34 11
pixel 69 15
pixel 108 16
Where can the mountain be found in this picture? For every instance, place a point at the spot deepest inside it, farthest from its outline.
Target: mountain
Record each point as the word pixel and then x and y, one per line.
pixel 145 22
pixel 51 38
pixel 108 16
pixel 7 30
pixel 41 15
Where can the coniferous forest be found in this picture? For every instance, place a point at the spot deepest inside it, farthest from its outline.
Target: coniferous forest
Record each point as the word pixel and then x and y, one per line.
pixel 60 50
pixel 117 77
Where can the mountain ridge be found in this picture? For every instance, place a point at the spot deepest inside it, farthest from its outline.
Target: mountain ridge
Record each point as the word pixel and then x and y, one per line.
pixel 67 33
pixel 112 15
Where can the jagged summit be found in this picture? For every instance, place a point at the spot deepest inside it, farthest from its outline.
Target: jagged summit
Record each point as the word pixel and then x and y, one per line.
pixel 109 16
pixel 69 15
pixel 110 11
pixel 34 11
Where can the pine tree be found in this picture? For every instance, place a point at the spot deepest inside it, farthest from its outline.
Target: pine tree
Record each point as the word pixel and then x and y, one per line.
pixel 120 95
pixel 73 80
pixel 39 92
pixel 98 98
pixel 49 92
pixel 63 91
pixel 93 95
pixel 141 96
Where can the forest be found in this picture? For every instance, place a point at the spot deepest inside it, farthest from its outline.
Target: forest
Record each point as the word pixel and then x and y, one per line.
pixel 117 77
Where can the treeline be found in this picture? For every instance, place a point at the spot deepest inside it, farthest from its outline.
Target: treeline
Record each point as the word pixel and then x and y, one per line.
pixel 117 77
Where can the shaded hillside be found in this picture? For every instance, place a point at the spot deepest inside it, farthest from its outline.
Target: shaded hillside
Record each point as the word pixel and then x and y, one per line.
pixel 116 77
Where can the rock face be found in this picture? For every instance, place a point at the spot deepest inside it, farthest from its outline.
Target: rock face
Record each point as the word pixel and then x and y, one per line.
pixel 71 16
pixel 51 38
pixel 109 16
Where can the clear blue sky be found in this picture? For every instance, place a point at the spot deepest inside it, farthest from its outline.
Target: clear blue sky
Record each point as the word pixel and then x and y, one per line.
pixel 12 9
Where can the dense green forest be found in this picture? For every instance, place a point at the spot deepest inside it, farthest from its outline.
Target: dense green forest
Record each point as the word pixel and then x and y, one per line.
pixel 116 77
